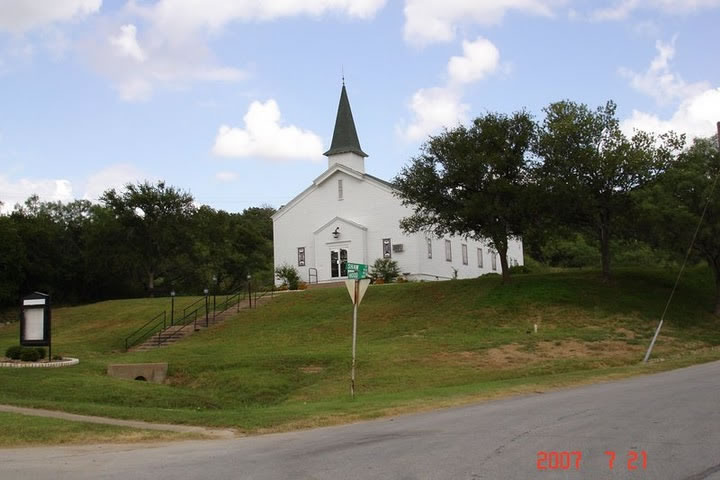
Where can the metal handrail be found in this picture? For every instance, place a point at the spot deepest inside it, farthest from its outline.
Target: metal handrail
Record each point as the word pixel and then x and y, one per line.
pixel 128 344
pixel 192 304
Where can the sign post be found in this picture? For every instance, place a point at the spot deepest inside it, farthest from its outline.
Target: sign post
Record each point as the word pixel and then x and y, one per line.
pixel 35 321
pixel 357 285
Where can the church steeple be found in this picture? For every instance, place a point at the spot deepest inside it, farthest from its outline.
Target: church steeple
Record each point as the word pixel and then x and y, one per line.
pixel 345 146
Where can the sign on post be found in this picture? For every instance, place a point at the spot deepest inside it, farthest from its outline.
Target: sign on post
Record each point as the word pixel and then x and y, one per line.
pixel 356 271
pixel 356 289
pixel 35 320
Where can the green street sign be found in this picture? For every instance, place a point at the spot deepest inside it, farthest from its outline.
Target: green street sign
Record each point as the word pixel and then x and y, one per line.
pixel 356 271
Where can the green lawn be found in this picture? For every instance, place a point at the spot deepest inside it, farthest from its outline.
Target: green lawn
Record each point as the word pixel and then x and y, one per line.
pixel 420 345
pixel 29 431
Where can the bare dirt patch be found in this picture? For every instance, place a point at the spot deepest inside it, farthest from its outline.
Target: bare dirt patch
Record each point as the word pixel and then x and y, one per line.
pixel 310 369
pixel 514 355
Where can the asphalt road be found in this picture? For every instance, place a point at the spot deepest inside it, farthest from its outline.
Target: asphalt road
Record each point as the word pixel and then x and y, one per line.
pixel 673 417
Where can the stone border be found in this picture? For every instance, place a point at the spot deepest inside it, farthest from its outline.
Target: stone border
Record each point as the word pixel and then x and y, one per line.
pixel 65 362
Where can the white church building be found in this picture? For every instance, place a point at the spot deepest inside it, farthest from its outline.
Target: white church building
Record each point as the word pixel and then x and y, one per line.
pixel 348 215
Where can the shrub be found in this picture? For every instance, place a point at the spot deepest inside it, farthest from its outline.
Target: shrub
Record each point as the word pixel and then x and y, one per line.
pixel 29 355
pixel 14 352
pixel 515 269
pixel 26 354
pixel 289 275
pixel 385 269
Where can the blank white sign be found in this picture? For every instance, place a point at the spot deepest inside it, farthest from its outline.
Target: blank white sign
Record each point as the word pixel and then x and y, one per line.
pixel 34 324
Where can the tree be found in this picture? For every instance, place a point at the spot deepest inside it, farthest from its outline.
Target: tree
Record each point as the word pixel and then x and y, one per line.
pixel 589 168
pixel 672 205
pixel 155 217
pixel 472 182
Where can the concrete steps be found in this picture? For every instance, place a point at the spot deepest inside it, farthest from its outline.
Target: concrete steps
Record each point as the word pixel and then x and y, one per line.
pixel 175 333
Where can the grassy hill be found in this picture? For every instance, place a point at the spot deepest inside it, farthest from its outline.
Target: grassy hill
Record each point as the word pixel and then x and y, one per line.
pixel 420 345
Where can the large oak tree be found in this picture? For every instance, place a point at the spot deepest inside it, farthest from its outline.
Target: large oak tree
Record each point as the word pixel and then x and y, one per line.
pixel 472 181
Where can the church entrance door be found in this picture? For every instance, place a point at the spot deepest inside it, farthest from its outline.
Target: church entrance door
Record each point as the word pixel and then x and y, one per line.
pixel 338 263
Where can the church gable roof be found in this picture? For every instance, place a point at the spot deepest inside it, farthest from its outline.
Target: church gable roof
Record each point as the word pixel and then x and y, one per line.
pixel 345 137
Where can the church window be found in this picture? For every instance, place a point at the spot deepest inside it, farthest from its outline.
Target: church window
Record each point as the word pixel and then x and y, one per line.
pixel 493 260
pixel 387 248
pixel 301 256
pixel 480 258
pixel 464 254
pixel 448 251
pixel 429 247
pixel 340 189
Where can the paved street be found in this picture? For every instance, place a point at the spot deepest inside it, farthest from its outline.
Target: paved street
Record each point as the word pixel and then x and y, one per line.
pixel 674 417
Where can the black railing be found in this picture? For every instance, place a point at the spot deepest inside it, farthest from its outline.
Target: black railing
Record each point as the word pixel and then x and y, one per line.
pixel 155 324
pixel 158 324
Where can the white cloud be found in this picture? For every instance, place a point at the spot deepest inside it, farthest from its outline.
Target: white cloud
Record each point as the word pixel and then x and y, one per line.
pixel 438 107
pixel 113 176
pixel 659 81
pixel 263 136
pixel 179 18
pixel 165 44
pixel 226 176
pixel 623 8
pixel 136 68
pixel 433 109
pixel 696 117
pixel 126 43
pixel 698 103
pixel 430 21
pixel 17 191
pixel 480 58
pixel 18 16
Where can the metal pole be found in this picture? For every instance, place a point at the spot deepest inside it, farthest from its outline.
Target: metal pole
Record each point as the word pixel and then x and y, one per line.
pixel 214 306
pixel 249 295
pixel 172 311
pixel 206 309
pixel 354 340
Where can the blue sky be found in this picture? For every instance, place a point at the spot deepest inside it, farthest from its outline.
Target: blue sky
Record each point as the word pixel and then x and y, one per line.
pixel 235 100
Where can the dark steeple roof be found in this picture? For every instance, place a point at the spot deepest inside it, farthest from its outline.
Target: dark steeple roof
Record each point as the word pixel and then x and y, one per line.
pixel 345 138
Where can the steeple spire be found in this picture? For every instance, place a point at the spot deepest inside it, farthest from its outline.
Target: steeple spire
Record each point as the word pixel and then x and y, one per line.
pixel 345 138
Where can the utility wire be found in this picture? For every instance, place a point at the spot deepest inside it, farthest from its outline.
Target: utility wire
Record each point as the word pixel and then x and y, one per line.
pixel 687 255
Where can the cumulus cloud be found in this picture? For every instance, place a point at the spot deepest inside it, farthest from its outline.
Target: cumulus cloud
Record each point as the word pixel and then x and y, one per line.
pixel 126 43
pixel 433 109
pixel 431 21
pixel 24 15
pixel 180 18
pixel 698 103
pixel 17 191
pixel 659 81
pixel 437 107
pixel 480 58
pixel 265 137
pixel 165 44
pixel 137 65
pixel 14 191
pixel 113 176
pixel 623 8
pixel 696 117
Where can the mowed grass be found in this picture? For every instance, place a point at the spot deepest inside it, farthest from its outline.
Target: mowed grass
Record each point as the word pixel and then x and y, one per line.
pixel 420 345
pixel 29 431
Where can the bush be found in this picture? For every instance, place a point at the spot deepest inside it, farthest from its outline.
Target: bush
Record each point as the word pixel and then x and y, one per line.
pixel 26 354
pixel 14 352
pixel 289 275
pixel 29 355
pixel 385 269
pixel 515 269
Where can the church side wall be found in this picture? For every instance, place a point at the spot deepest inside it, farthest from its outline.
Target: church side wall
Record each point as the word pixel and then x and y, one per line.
pixel 375 208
